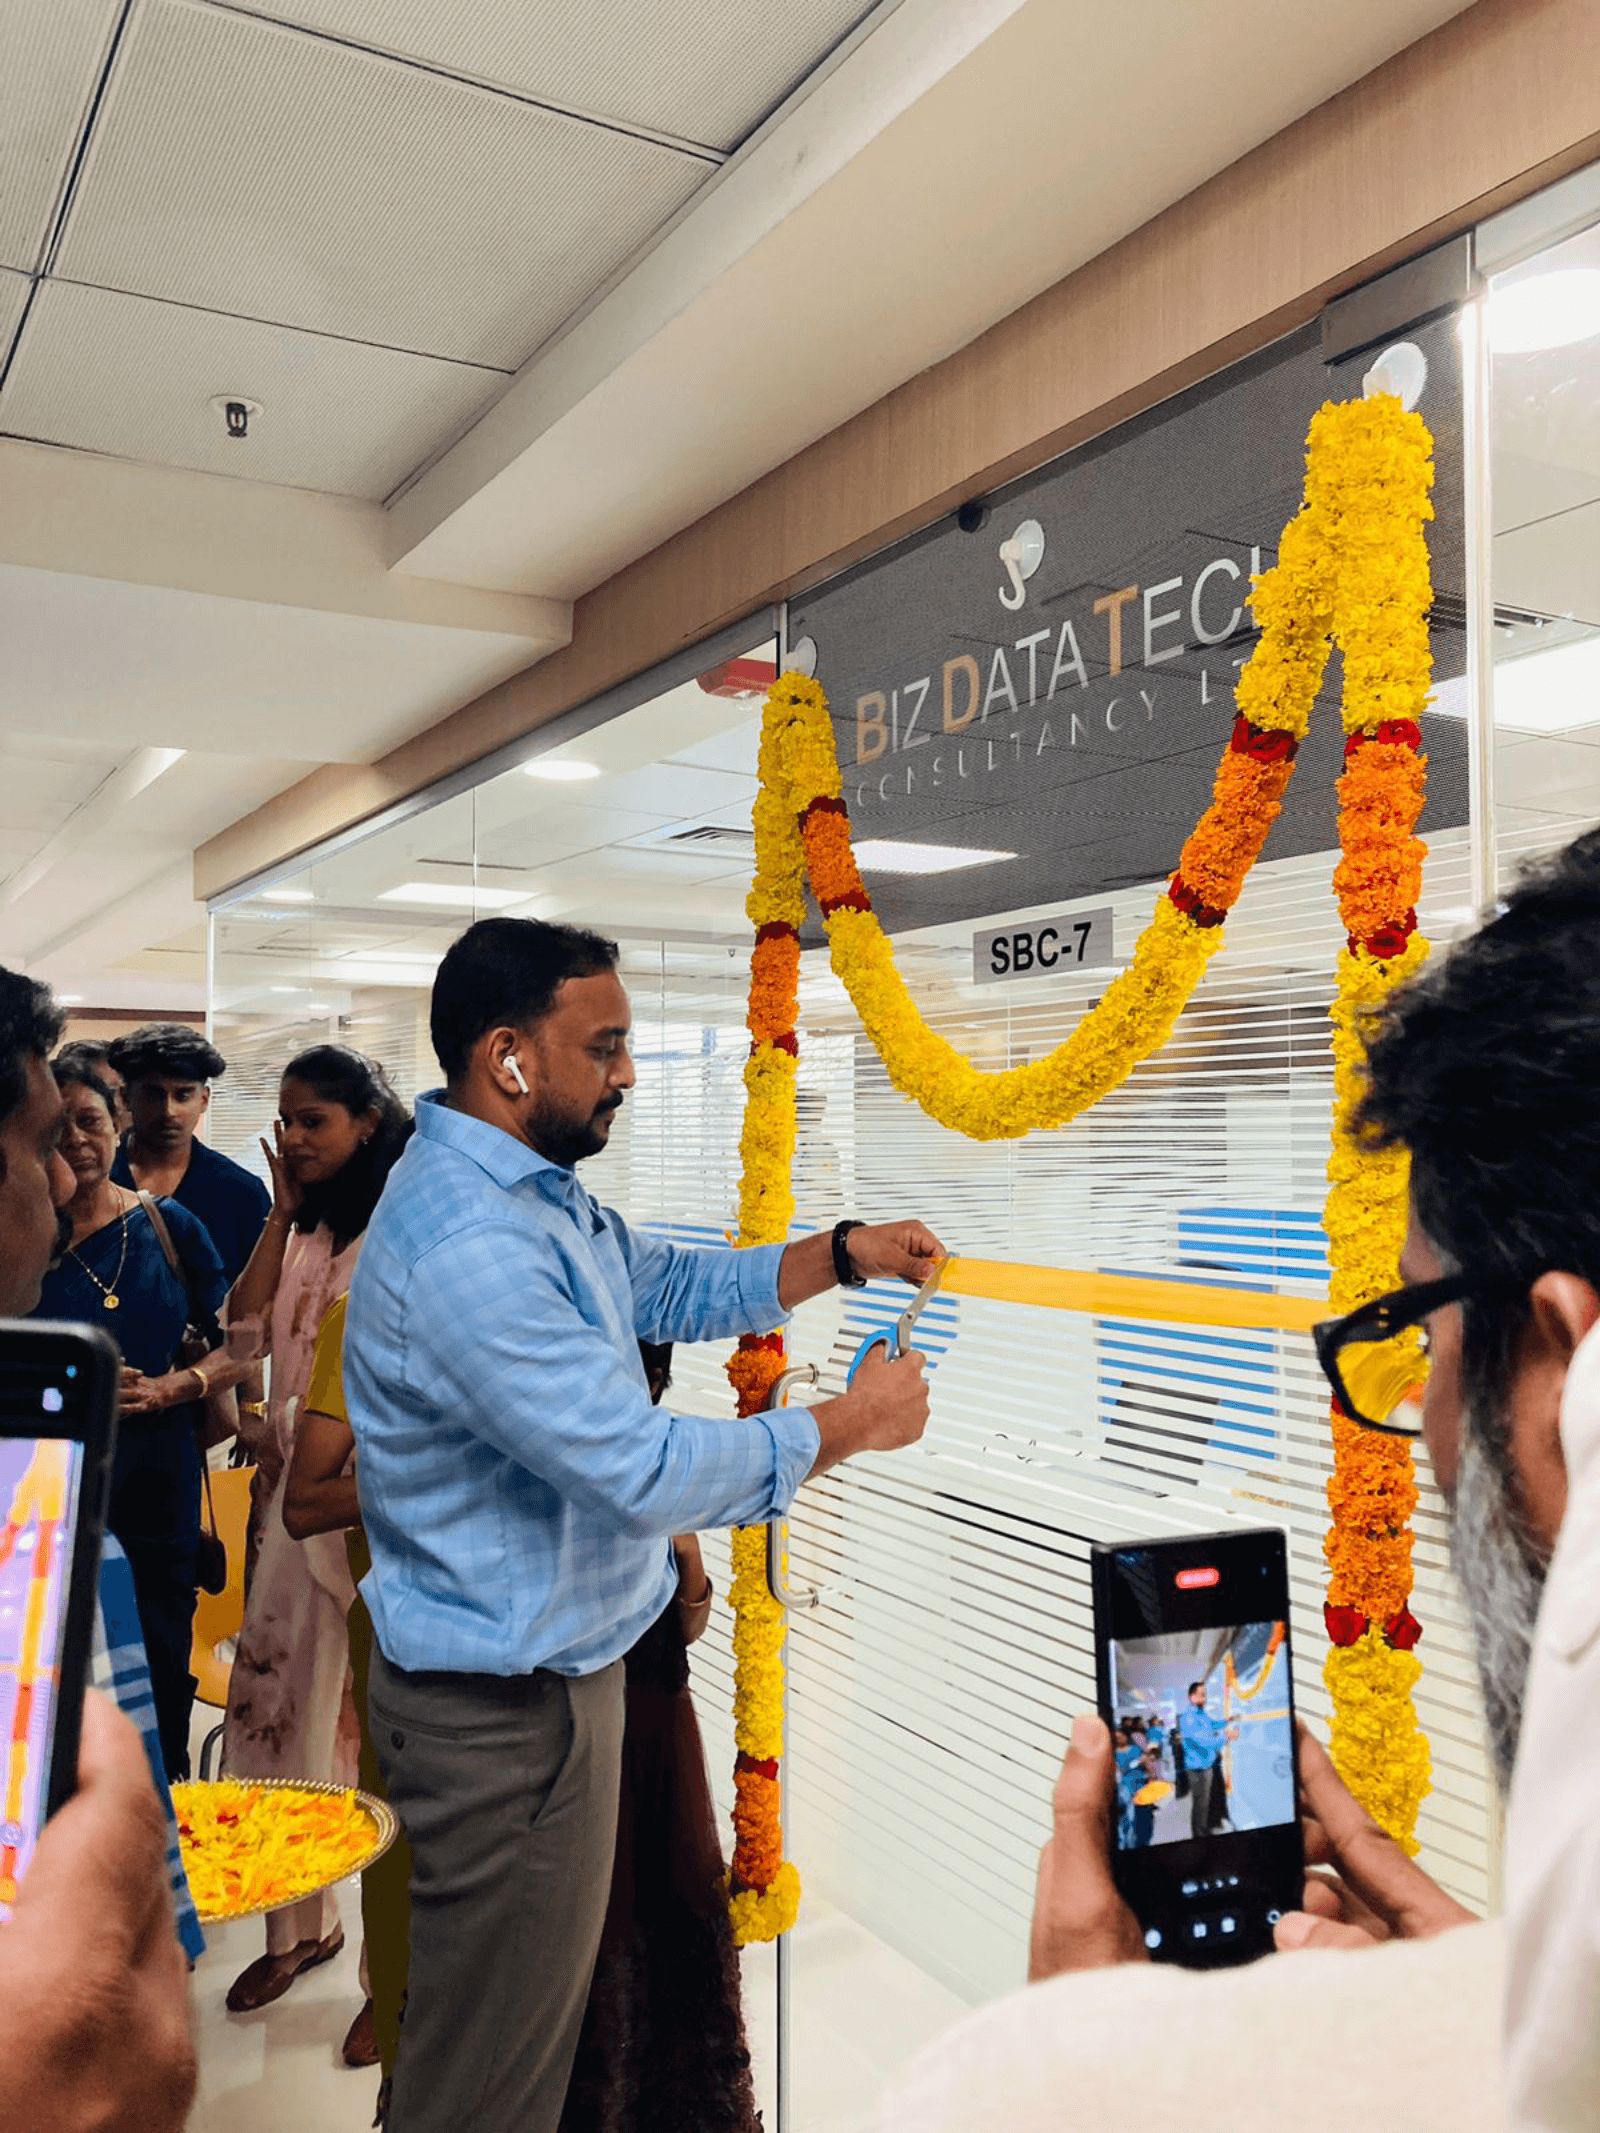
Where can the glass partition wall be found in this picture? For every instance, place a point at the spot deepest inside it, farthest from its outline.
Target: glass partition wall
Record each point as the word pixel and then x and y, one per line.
pixel 932 1690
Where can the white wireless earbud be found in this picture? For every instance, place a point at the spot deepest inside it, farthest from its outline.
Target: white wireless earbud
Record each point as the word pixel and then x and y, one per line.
pixel 517 1075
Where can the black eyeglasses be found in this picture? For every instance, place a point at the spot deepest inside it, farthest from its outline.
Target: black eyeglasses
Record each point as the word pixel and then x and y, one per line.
pixel 1381 1387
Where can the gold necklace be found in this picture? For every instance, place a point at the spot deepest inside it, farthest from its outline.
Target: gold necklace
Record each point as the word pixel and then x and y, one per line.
pixel 110 1300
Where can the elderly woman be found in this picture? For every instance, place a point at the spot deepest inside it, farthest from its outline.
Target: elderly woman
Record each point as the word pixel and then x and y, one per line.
pixel 115 1274
pixel 91 1053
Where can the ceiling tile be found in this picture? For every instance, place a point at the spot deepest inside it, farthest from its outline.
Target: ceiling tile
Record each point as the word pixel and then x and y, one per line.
pixel 1555 776
pixel 1549 566
pixel 41 794
pixel 677 790
pixel 253 169
pixel 704 70
pixel 121 374
pixel 51 54
pixel 13 301
pixel 230 677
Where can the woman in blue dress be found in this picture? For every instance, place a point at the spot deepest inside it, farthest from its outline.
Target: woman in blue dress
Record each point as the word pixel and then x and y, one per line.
pixel 115 1274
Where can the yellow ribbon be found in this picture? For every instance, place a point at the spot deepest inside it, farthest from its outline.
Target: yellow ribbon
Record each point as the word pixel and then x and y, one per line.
pixel 1184 1303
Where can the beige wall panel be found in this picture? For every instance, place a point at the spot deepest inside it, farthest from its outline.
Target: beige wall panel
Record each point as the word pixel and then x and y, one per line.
pixel 1501 100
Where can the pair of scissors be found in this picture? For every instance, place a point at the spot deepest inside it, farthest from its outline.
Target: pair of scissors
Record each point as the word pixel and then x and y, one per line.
pixel 905 1324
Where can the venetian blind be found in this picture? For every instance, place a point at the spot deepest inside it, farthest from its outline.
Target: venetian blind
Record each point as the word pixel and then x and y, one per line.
pixel 932 1693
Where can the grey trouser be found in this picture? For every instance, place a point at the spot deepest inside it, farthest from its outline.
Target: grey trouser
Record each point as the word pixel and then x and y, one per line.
pixel 1200 1784
pixel 508 1793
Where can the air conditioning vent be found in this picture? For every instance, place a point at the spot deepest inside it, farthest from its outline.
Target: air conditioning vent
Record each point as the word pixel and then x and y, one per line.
pixel 722 839
pixel 712 833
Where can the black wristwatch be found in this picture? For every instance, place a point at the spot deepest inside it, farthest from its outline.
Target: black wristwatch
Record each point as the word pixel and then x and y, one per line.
pixel 845 1273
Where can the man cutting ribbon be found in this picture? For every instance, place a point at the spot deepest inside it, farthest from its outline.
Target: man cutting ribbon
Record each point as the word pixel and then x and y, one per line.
pixel 519 1492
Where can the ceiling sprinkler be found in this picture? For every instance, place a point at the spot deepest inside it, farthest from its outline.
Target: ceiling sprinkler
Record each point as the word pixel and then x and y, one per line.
pixel 236 412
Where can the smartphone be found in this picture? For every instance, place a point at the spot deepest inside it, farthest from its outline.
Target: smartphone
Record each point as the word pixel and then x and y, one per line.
pixel 58 1422
pixel 1194 1677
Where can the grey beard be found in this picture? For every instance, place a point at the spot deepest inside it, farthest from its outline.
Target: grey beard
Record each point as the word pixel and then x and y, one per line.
pixel 1502 1578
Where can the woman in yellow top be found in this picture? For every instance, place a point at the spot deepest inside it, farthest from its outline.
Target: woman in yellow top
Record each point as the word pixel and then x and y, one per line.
pixel 320 1497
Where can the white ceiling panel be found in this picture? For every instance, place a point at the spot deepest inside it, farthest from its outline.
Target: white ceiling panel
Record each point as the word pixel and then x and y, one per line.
pixel 253 169
pixel 123 374
pixel 1552 566
pixel 13 301
pixel 144 664
pixel 704 70
pixel 51 54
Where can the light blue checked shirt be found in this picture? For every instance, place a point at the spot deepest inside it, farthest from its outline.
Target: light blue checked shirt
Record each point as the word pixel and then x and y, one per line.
pixel 517 1486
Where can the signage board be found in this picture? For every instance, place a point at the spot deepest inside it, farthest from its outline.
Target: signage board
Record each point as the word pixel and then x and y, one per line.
pixel 1054 689
pixel 1044 947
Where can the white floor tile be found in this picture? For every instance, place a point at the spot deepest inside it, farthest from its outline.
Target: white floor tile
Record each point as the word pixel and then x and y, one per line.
pixel 280 2069
pixel 860 2011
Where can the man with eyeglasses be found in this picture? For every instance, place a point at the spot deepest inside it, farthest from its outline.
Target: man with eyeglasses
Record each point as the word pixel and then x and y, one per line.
pixel 1487 1070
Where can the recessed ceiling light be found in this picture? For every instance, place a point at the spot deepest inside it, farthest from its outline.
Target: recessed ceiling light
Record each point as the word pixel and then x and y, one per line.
pixel 561 769
pixel 887 855
pixel 320 1007
pixel 1545 311
pixel 70 999
pixel 287 896
pixel 453 896
pixel 283 988
pixel 1554 690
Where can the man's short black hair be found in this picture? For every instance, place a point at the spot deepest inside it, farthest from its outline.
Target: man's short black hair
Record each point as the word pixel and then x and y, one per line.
pixel 30 1023
pixel 1487 1068
pixel 506 972
pixel 166 1051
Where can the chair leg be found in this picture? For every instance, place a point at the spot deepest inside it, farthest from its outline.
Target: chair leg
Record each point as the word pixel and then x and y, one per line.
pixel 206 1746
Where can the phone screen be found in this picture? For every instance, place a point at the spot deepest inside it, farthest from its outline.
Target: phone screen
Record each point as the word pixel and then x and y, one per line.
pixel 57 1436
pixel 1214 1705
pixel 40 1482
pixel 1194 1664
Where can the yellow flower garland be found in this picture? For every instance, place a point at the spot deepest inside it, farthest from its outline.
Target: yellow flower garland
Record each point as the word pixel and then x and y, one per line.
pixel 1352 567
pixel 1384 462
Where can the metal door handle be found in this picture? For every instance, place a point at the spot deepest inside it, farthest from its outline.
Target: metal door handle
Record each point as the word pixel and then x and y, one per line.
pixel 796 1598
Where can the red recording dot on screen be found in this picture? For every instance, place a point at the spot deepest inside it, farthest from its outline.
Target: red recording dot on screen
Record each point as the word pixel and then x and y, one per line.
pixel 1189 1580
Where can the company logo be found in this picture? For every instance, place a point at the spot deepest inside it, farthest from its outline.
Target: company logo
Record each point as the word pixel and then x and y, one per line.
pixel 1050 688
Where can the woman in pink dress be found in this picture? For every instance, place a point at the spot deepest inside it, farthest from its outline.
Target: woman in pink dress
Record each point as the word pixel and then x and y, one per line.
pixel 339 1130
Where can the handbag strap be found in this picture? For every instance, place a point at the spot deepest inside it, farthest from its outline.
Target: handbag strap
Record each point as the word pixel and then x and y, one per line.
pixel 205 1473
pixel 158 1222
pixel 164 1238
pixel 200 1317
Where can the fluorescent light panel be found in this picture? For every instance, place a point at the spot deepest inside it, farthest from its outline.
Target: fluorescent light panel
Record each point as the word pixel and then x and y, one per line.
pixel 287 896
pixel 1554 691
pixel 453 896
pixel 888 855
pixel 561 769
pixel 1545 311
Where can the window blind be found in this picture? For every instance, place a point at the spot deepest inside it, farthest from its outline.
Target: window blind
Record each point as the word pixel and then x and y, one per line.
pixel 931 1695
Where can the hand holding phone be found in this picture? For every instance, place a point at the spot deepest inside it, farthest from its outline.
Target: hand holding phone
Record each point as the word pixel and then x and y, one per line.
pixel 1081 1920
pixel 58 1406
pixel 92 1978
pixel 1370 1890
pixel 1196 1689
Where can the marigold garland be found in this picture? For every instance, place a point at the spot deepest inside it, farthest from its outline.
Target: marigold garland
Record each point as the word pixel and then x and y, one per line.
pixel 1381 625
pixel 1352 569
